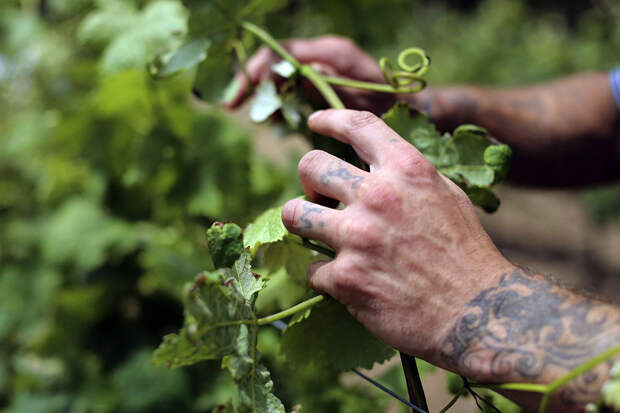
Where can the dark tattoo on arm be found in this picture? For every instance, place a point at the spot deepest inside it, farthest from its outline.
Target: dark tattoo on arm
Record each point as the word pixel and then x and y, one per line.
pixel 310 209
pixel 529 330
pixel 340 171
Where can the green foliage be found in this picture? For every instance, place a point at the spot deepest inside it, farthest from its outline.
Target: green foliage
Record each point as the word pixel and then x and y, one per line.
pixel 225 243
pixel 265 229
pixel 217 308
pixel 143 387
pixel 467 156
pixel 611 390
pixel 331 338
pixel 132 37
pixel 221 324
pixel 146 169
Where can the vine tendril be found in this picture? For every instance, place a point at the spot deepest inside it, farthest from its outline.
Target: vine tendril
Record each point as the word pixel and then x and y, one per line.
pixel 409 74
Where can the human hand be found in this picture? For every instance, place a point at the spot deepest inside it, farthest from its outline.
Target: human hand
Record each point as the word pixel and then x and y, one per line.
pixel 410 249
pixel 331 55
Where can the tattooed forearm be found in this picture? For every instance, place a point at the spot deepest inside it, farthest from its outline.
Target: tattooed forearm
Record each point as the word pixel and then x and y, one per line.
pixel 528 330
pixel 339 170
pixel 568 128
pixel 305 217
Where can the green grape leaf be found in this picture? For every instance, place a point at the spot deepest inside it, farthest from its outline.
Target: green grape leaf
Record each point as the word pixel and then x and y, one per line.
pixel 409 123
pixel 244 280
pixel 455 384
pixel 281 292
pixel 611 389
pixel 221 324
pixel 293 257
pixel 225 243
pixel 331 338
pixel 284 69
pixel 466 156
pixel 484 198
pixel 265 229
pixel 251 377
pixel 184 58
pixel 266 102
pixel 498 157
pixel 214 311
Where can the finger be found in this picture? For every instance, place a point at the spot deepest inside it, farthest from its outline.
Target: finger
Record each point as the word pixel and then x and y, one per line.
pixel 313 221
pixel 257 68
pixel 323 174
pixel 319 276
pixel 337 52
pixel 374 141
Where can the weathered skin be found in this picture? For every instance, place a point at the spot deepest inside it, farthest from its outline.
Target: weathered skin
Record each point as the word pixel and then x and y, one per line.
pixel 413 262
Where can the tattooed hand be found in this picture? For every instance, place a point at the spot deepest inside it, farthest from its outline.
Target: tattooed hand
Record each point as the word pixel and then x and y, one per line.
pixel 410 249
pixel 416 267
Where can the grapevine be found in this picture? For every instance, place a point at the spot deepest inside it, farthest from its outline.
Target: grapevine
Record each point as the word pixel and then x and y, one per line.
pixel 221 319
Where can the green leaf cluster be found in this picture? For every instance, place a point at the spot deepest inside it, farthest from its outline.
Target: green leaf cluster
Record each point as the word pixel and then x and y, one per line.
pixel 221 324
pixel 467 156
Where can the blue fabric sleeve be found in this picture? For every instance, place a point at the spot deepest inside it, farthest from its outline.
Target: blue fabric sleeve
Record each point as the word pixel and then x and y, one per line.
pixel 614 81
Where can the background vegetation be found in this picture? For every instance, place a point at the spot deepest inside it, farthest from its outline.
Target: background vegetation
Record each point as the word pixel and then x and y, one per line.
pixel 108 180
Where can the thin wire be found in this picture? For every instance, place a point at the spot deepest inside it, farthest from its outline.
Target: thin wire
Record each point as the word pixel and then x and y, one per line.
pixel 281 325
pixel 388 391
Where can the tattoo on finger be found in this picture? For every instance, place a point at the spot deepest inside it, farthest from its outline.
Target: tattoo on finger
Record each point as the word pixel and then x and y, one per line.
pixel 305 217
pixel 338 170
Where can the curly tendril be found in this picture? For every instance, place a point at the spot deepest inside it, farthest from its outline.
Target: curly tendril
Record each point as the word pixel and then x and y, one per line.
pixel 409 74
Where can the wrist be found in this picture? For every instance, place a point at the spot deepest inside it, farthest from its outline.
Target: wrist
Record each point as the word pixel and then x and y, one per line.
pixel 459 343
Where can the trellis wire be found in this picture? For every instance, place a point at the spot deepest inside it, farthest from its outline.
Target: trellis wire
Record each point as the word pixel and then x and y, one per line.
pixel 281 325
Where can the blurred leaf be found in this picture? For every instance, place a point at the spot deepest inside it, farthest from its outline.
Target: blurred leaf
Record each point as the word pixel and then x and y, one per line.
pixel 186 57
pixel 214 74
pixel 80 233
pixel 332 338
pixel 284 68
pixel 99 27
pixel 158 28
pixel 266 102
pixel 143 387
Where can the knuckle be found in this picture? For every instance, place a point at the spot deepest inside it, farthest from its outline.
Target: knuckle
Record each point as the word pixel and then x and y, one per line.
pixel 309 162
pixel 358 120
pixel 379 196
pixel 344 275
pixel 414 164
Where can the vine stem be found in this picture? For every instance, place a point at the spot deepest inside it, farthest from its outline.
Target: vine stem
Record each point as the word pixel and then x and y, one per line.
pixel 375 87
pixel 304 305
pixel 414 384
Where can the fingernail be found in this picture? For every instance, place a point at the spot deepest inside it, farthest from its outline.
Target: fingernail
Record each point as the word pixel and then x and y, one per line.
pixel 314 115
